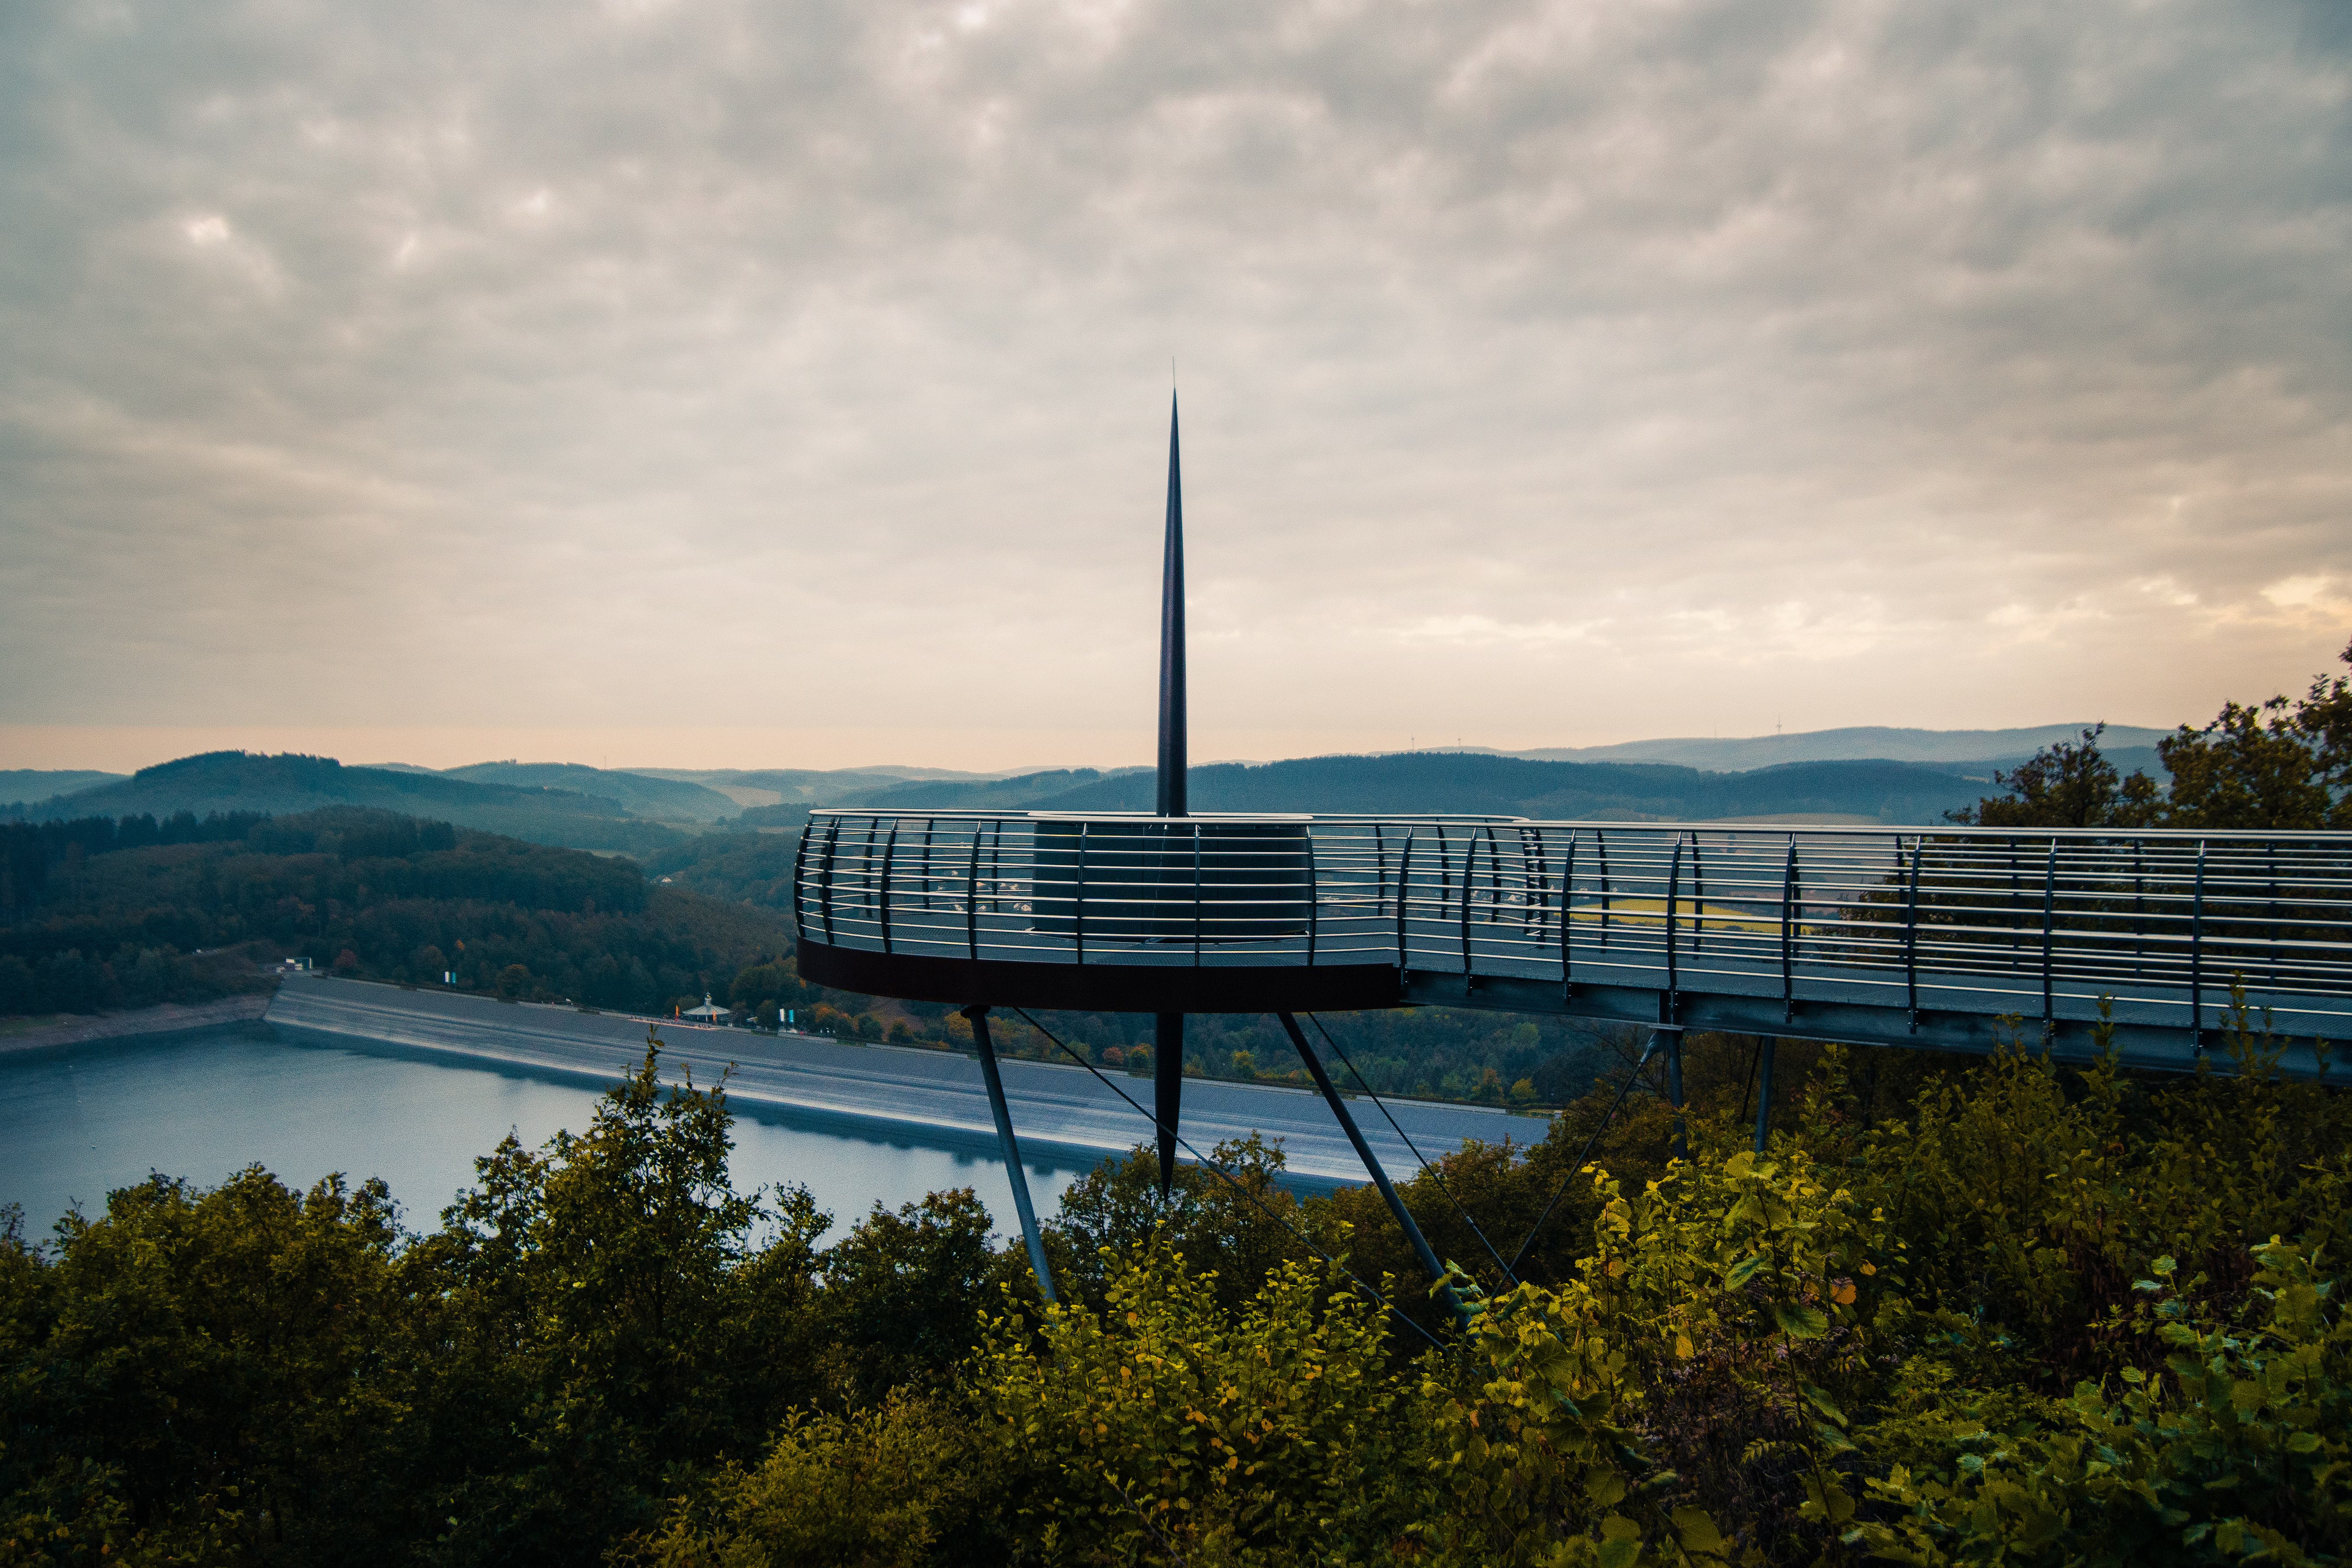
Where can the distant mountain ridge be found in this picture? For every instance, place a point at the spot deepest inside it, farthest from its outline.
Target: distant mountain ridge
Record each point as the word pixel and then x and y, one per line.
pixel 42 784
pixel 821 786
pixel 1870 741
pixel 640 794
pixel 290 783
pixel 624 810
pixel 1413 783
pixel 988 794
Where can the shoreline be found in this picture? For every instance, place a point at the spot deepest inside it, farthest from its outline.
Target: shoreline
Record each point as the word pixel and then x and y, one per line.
pixel 141 1023
pixel 868 1090
pixel 931 1096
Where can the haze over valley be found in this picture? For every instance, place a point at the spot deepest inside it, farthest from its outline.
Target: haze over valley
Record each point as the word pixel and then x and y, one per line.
pixel 1860 775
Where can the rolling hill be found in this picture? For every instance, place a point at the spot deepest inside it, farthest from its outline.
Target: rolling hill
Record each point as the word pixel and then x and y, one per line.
pixel 626 810
pixel 96 924
pixel 994 795
pixel 21 785
pixel 818 787
pixel 1977 750
pixel 287 783
pixel 640 794
pixel 1422 782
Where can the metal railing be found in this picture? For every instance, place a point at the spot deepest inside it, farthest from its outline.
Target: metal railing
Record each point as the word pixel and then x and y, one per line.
pixel 2050 926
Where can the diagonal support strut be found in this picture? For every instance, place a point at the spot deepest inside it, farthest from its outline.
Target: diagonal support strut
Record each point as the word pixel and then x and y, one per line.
pixel 1420 1246
pixel 1013 1168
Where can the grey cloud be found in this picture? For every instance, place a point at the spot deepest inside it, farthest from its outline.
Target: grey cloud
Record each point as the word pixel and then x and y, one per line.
pixel 1579 372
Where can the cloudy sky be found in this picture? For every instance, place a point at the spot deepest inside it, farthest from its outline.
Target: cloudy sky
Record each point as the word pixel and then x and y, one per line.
pixel 697 382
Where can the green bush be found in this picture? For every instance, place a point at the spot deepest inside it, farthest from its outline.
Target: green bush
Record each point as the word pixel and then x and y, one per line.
pixel 1166 1427
pixel 2234 1451
pixel 877 1488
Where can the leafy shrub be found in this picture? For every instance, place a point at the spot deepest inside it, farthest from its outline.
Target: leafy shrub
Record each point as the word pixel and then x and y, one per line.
pixel 2234 1450
pixel 1165 1428
pixel 876 1488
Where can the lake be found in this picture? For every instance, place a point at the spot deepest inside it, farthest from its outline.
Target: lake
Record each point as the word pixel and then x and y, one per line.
pixel 83 1122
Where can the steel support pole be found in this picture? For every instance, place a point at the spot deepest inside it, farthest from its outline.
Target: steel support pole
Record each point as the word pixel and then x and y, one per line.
pixel 1003 1114
pixel 1764 1092
pixel 1674 1047
pixel 1167 1088
pixel 1419 1243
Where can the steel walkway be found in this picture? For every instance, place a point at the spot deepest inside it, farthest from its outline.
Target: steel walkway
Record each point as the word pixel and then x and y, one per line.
pixel 1951 939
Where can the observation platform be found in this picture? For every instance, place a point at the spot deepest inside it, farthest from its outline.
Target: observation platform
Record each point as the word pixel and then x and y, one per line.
pixel 1943 939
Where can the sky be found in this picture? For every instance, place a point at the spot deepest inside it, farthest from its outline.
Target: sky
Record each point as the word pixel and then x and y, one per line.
pixel 697 383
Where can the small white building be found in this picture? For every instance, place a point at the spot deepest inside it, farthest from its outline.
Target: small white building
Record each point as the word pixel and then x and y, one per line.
pixel 708 1013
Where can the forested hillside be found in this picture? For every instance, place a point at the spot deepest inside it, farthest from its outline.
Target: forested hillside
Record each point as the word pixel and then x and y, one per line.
pixel 218 782
pixel 104 915
pixel 808 786
pixel 44 783
pixel 752 867
pixel 640 794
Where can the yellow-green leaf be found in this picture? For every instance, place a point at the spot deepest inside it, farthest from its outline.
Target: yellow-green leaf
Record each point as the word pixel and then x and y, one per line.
pixel 1697 1530
pixel 1801 1322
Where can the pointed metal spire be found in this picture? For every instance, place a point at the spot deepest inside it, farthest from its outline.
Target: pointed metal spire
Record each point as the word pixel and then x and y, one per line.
pixel 1172 722
pixel 1168 1035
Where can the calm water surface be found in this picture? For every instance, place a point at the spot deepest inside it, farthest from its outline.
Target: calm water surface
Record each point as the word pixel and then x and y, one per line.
pixel 74 1127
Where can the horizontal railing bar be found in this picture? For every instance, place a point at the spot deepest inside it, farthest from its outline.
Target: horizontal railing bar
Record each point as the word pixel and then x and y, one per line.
pixel 2218 840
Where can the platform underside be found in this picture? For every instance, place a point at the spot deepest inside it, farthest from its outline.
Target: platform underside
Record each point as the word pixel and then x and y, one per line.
pixel 2150 1047
pixel 1170 987
pixel 1104 988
